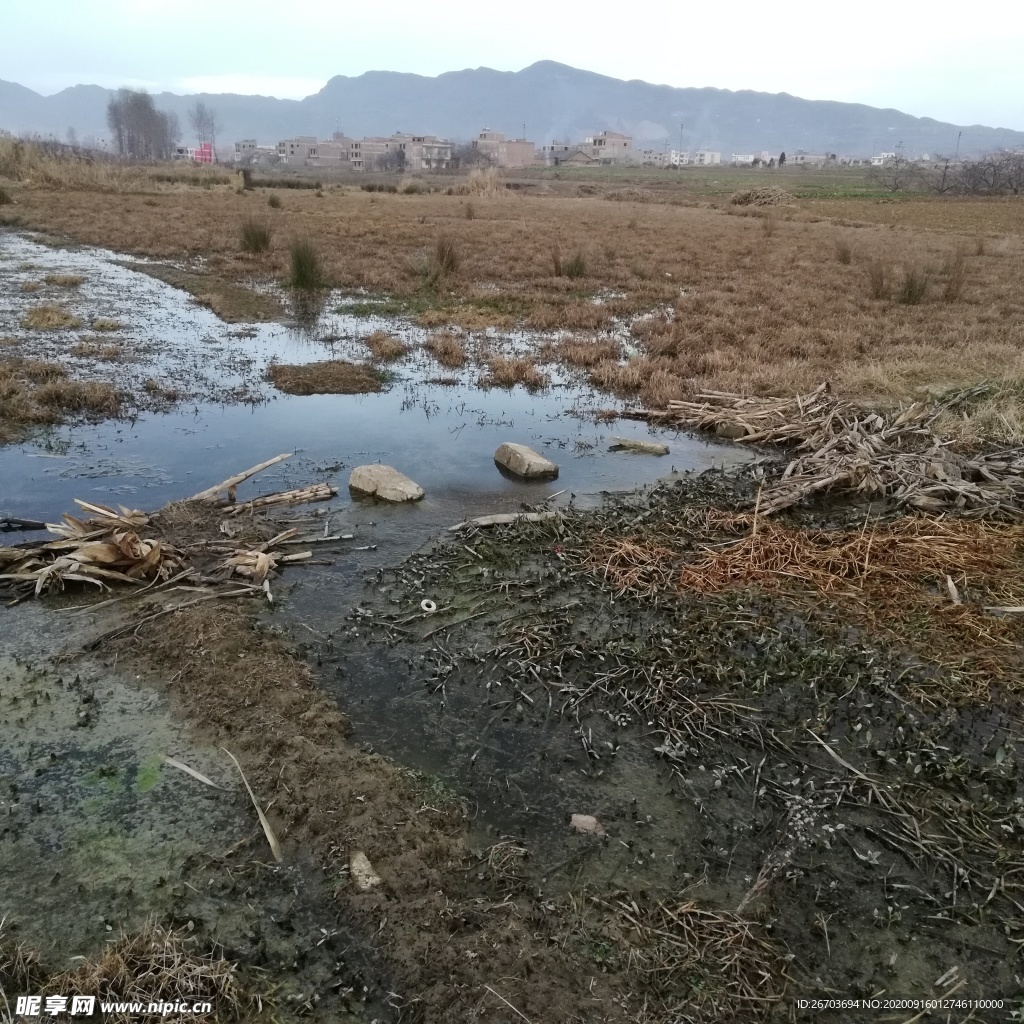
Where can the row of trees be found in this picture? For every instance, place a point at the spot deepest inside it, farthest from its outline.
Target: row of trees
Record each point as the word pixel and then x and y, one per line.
pixel 141 132
pixel 997 174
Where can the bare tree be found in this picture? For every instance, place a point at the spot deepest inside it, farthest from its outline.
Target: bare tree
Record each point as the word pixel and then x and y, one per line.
pixel 139 130
pixel 392 160
pixel 939 176
pixel 205 125
pixel 892 175
pixel 467 155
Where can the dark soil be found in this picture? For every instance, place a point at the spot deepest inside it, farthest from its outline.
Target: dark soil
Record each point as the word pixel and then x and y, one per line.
pixel 818 784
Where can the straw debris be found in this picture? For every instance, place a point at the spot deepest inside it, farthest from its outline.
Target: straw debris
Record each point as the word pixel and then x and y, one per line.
pixel 845 449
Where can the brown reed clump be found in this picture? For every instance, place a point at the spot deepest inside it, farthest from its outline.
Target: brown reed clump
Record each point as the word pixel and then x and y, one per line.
pixel 448 348
pixel 157 965
pixel 329 377
pixel 385 347
pixel 506 373
pixel 49 318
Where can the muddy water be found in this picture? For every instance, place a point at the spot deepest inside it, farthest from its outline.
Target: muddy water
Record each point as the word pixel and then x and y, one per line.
pixel 443 435
pixel 99 831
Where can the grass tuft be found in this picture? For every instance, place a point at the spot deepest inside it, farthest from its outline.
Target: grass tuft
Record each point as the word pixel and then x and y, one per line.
pixel 330 377
pixel 64 280
pixel 274 201
pixel 913 287
pixel 955 271
pixel 49 318
pixel 446 255
pixel 878 279
pixel 306 271
pixel 106 324
pixel 506 373
pixel 448 349
pixel 256 235
pixel 385 347
pixel 576 266
pixel 844 251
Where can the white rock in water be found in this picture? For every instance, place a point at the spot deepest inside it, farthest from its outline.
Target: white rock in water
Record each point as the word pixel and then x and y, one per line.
pixel 628 444
pixel 587 823
pixel 384 482
pixel 524 462
pixel 362 872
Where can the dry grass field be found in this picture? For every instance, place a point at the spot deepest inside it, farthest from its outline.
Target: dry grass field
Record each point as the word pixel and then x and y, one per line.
pixel 834 687
pixel 885 299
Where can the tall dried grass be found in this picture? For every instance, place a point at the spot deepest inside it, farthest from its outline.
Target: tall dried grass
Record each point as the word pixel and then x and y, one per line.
pixel 913 286
pixel 255 235
pixel 506 373
pixel 955 272
pixel 385 347
pixel 306 270
pixel 448 349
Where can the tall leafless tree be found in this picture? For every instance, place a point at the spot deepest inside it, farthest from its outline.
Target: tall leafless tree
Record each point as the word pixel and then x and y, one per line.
pixel 139 130
pixel 205 125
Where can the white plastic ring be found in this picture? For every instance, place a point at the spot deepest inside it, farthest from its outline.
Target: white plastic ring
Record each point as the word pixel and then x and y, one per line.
pixel 428 606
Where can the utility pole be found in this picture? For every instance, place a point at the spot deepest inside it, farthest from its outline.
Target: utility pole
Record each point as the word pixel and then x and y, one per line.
pixel 958 134
pixel 680 139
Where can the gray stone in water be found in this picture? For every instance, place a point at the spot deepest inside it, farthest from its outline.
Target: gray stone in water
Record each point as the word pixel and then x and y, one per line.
pixel 384 482
pixel 525 462
pixel 732 431
pixel 628 444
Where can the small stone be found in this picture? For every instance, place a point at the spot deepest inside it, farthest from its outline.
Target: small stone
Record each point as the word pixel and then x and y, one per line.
pixel 587 823
pixel 361 871
pixel 384 482
pixel 732 431
pixel 628 444
pixel 525 462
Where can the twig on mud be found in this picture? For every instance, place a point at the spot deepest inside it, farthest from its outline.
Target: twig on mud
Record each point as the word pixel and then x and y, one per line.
pixel 507 1003
pixel 275 846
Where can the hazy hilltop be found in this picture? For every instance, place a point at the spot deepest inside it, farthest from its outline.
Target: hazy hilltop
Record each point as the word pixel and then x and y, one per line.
pixel 552 100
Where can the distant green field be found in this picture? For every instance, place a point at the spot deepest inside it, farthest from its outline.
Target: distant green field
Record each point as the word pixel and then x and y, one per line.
pixel 809 183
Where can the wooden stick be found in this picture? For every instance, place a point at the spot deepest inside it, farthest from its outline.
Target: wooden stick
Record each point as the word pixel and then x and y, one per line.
pixel 229 485
pixel 503 518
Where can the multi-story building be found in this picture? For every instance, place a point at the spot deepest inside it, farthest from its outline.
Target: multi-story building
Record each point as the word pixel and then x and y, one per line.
pixel 304 149
pixel 504 152
pixel 706 157
pixel 609 147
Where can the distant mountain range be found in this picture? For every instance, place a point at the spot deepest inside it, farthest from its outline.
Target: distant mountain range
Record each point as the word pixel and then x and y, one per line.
pixel 549 100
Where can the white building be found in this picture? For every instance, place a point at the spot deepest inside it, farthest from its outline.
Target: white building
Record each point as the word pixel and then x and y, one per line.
pixel 706 158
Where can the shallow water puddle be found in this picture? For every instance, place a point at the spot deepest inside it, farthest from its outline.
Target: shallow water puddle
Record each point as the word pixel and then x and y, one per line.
pixel 443 435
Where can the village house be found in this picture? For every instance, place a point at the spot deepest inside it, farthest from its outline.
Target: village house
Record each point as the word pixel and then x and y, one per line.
pixel 609 148
pixel 400 151
pixel 706 157
pixel 802 159
pixel 304 149
pixel 504 152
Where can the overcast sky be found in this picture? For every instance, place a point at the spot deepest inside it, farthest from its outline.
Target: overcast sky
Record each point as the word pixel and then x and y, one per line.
pixel 952 61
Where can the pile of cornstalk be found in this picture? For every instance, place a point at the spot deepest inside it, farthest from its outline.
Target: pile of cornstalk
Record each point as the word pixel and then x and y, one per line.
pixel 125 546
pixel 843 448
